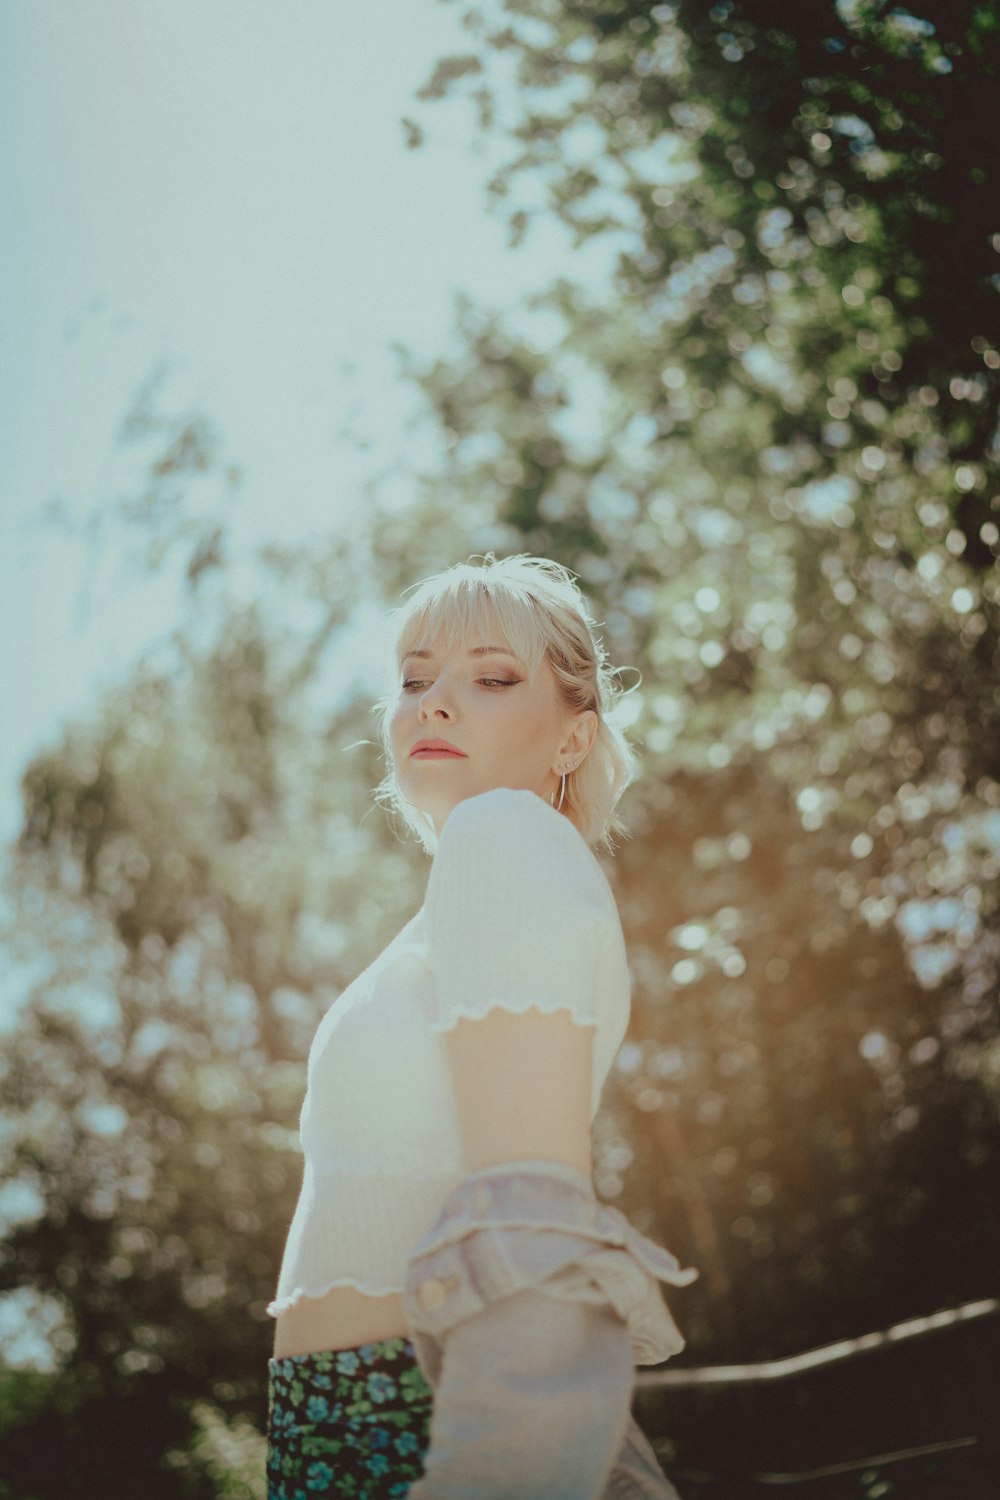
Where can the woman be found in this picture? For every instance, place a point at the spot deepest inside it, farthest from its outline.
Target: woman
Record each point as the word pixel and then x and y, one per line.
pixel 457 1314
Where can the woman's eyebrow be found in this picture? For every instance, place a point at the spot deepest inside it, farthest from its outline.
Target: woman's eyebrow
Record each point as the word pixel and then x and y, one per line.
pixel 474 651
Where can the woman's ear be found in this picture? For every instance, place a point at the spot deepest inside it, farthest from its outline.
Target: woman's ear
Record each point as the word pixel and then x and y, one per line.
pixel 581 737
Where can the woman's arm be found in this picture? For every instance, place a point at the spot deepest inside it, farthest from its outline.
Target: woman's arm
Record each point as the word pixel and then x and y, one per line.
pixel 533 1391
pixel 522 1087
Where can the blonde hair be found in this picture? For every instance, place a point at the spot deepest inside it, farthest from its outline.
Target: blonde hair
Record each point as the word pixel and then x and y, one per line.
pixel 544 616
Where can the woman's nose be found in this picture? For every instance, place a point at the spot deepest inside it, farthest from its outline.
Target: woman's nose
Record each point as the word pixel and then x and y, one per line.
pixel 435 699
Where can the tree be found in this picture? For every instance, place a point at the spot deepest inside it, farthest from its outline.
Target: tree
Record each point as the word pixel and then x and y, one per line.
pixel 768 446
pixel 185 900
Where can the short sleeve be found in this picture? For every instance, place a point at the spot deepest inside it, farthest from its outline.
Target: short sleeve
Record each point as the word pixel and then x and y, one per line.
pixel 517 911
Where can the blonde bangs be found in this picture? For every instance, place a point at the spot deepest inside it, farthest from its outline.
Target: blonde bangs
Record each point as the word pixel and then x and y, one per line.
pixel 470 609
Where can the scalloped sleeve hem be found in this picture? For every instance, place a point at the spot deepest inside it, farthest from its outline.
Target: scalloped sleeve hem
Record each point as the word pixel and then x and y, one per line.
pixel 514 1006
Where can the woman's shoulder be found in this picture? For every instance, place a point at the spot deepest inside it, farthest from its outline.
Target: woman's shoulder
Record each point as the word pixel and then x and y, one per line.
pixel 505 810
pixel 502 804
pixel 515 825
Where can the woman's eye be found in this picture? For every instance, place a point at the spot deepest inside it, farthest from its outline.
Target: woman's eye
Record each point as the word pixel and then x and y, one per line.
pixel 412 683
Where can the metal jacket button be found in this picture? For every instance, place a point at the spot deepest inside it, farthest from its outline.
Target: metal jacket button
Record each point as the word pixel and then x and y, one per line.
pixel 431 1294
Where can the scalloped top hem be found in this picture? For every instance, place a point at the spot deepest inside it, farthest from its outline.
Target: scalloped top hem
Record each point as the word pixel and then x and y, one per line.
pixel 292 1299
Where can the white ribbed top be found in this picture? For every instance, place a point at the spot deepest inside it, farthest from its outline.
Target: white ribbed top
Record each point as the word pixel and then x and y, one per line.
pixel 518 914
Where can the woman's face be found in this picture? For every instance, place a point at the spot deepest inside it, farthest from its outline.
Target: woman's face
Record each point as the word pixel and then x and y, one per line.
pixel 507 729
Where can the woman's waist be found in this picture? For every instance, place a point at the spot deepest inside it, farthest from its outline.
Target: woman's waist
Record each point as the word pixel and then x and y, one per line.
pixel 342 1317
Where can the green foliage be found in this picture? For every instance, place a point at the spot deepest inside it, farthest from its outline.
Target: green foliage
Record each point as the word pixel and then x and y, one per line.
pixel 183 904
pixel 768 447
pixel 228 1457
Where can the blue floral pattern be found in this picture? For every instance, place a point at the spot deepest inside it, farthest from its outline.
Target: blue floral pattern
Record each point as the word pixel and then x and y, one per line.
pixel 352 1422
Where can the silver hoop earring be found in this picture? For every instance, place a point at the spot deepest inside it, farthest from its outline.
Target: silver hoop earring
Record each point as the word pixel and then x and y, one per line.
pixel 562 792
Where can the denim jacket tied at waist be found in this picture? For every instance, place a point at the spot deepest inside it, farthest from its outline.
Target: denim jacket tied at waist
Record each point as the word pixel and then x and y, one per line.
pixel 536 1227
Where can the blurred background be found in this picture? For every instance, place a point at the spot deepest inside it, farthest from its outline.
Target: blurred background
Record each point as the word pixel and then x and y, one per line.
pixel 302 304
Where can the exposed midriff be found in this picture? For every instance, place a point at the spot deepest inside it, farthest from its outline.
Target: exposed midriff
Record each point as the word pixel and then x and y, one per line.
pixel 341 1318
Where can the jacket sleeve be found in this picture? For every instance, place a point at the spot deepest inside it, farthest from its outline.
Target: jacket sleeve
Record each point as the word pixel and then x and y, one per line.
pixel 529 1303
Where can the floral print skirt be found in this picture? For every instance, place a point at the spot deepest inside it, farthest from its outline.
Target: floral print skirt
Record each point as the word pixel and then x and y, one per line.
pixel 352 1422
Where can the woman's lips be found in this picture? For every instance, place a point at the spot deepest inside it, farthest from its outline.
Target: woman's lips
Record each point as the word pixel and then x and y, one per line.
pixel 437 755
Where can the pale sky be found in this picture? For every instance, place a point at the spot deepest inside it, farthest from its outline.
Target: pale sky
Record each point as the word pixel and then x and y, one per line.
pixel 224 184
